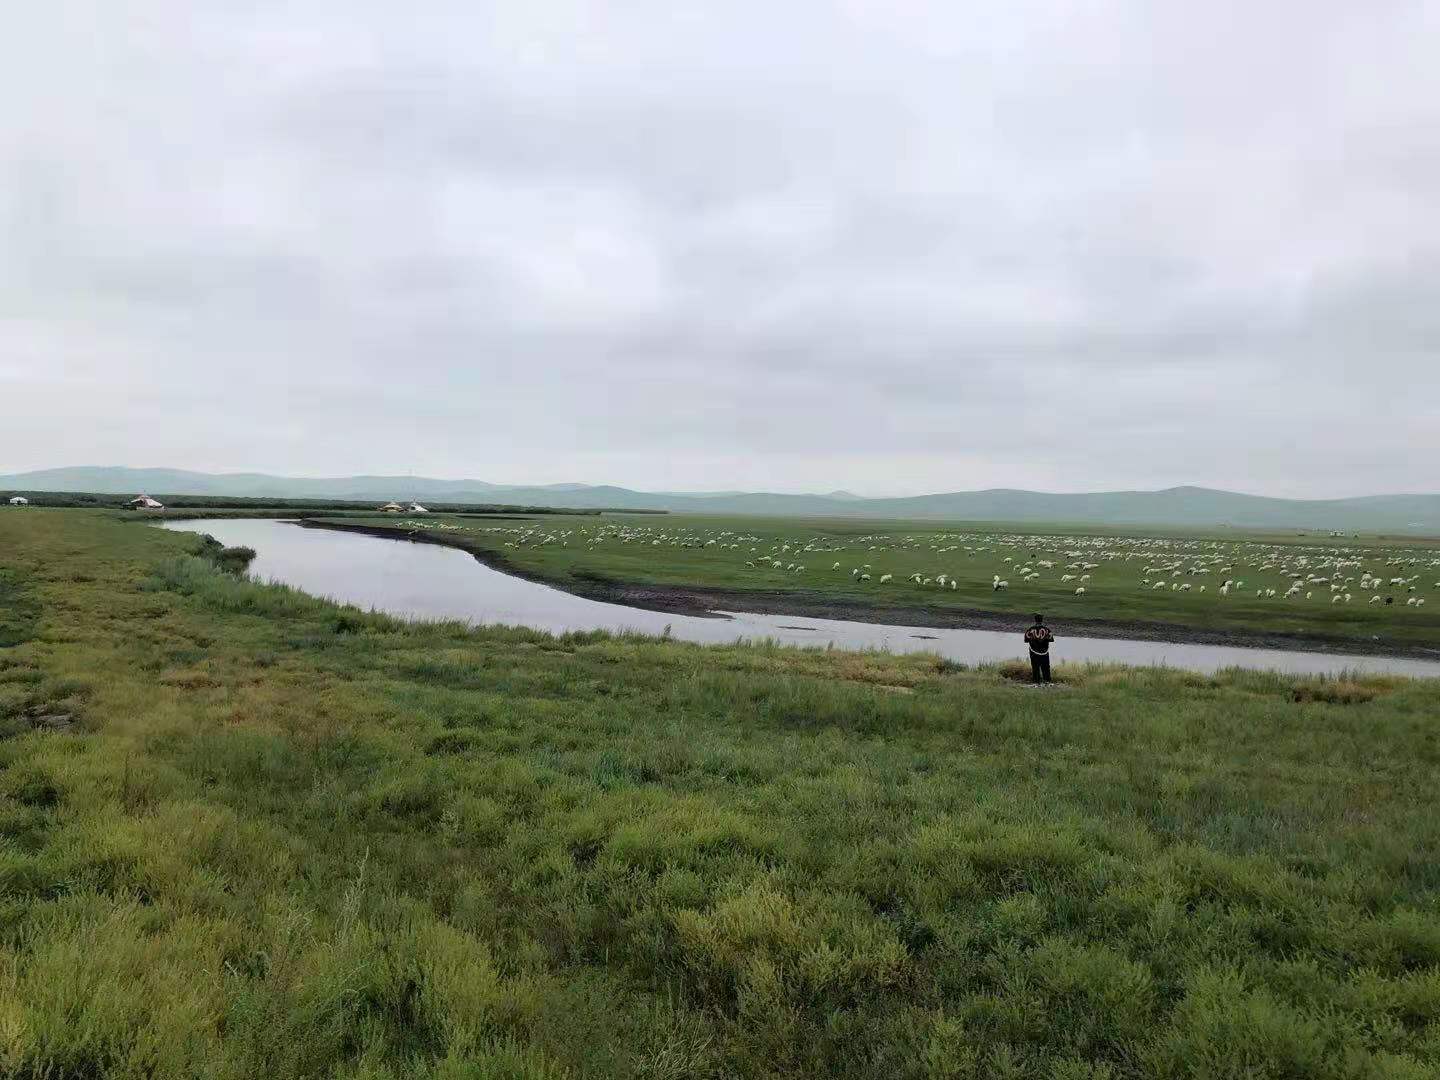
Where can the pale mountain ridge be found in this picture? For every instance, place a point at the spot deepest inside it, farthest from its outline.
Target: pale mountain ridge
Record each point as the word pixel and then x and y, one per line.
pixel 1177 506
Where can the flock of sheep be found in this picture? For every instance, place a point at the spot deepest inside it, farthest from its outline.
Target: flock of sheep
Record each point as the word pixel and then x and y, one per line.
pixel 953 561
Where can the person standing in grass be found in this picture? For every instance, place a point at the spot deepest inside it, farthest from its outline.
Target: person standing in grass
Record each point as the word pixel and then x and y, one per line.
pixel 1039 637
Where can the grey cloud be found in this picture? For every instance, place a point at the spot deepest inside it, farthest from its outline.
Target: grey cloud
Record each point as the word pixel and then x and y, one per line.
pixel 892 247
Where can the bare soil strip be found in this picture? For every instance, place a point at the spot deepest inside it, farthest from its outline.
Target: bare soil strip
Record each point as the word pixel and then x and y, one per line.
pixel 705 601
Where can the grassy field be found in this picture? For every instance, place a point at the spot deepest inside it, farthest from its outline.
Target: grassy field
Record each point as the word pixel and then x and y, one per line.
pixel 1318 587
pixel 183 506
pixel 251 834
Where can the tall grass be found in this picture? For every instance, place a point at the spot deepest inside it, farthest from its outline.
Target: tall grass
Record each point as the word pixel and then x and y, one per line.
pixel 287 839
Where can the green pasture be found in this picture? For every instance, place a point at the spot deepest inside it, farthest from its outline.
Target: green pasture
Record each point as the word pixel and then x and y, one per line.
pixel 247 833
pixel 1149 577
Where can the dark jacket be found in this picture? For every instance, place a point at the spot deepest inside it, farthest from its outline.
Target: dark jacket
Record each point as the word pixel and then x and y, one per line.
pixel 1039 639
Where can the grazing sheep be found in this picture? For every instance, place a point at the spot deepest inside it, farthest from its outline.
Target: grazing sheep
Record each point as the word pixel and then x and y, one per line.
pixel 886 577
pixel 835 567
pixel 997 585
pixel 1080 591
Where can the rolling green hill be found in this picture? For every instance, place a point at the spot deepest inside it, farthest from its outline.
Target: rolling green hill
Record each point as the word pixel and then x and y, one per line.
pixel 1177 506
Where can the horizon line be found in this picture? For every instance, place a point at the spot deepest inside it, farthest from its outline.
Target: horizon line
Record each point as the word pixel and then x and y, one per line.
pixel 837 494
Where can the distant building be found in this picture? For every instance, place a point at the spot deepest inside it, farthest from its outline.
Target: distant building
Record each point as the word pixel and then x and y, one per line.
pixel 145 502
pixel 416 508
pixel 19 500
pixel 392 508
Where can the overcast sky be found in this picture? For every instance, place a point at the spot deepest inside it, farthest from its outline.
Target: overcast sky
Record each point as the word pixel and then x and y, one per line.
pixel 888 246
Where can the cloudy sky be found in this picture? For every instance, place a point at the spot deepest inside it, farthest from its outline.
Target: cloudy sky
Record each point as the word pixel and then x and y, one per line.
pixel 889 246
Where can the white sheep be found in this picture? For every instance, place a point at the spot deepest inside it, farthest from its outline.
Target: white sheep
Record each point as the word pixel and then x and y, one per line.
pixel 1080 591
pixel 886 577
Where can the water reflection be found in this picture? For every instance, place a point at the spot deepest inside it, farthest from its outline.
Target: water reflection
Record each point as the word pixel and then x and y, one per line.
pixel 424 581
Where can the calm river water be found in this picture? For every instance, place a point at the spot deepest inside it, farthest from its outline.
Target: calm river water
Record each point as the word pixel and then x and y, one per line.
pixel 423 581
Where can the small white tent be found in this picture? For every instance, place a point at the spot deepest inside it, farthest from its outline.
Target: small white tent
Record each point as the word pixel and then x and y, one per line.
pixel 145 502
pixel 392 508
pixel 416 508
pixel 19 500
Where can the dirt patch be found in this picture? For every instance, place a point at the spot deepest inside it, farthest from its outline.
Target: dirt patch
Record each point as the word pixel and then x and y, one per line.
pixel 1018 671
pixel 1338 691
pixel 41 719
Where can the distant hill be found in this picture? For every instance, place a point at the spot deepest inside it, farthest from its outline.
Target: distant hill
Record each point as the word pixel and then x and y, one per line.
pixel 1178 506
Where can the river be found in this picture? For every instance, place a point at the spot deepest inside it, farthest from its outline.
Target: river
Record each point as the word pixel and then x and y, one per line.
pixel 426 581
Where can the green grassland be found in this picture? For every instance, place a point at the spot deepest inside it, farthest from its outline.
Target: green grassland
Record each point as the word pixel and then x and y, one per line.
pixel 1129 577
pixel 252 834
pixel 190 506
